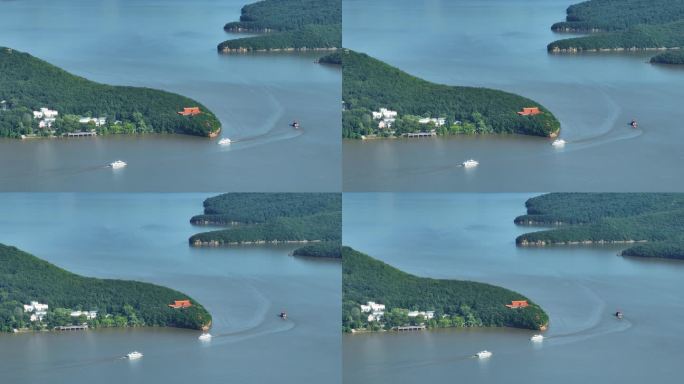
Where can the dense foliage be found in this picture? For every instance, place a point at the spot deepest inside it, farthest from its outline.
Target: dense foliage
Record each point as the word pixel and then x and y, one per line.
pixel 369 84
pixel 247 208
pixel 334 58
pixel 330 249
pixel 653 218
pixel 617 15
pixel 669 57
pixel 24 277
pixel 288 24
pixel 465 303
pixel 637 37
pixel 28 83
pixel 271 217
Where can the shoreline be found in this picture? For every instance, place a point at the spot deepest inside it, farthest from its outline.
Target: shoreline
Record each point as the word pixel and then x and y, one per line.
pixel 216 243
pixel 543 243
pixel 362 331
pixel 575 50
pixel 268 50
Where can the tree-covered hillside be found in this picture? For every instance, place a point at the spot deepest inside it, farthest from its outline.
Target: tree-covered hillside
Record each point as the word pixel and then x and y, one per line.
pixel 329 249
pixel 465 303
pixel 669 57
pixel 654 219
pixel 254 218
pixel 25 278
pixel 28 83
pixel 622 25
pixel 288 25
pixel 369 84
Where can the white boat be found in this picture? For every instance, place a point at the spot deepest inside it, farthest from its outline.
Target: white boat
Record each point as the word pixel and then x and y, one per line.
pixel 558 143
pixel 134 355
pixel 537 338
pixel 205 337
pixel 224 141
pixel 484 354
pixel 118 164
pixel 470 163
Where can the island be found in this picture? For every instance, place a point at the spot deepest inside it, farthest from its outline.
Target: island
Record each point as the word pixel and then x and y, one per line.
pixel 38 99
pixel 287 25
pixel 628 25
pixel 649 224
pixel 311 219
pixel 36 295
pixel 377 296
pixel 381 101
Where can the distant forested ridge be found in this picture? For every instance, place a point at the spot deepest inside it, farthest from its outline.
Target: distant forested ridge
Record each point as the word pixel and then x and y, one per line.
pixel 28 84
pixel 287 25
pixel 119 303
pixel 630 25
pixel 369 84
pixel 256 218
pixel 669 57
pixel 456 303
pixel 654 220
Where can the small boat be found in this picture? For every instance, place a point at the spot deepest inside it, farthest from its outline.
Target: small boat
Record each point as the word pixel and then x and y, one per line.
pixel 483 354
pixel 537 338
pixel 205 337
pixel 295 124
pixel 470 163
pixel 558 143
pixel 634 124
pixel 283 315
pixel 619 315
pixel 224 141
pixel 118 164
pixel 134 355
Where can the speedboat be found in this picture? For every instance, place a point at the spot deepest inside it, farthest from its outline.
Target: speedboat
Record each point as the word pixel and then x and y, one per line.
pixel 295 124
pixel 484 354
pixel 205 337
pixel 283 315
pixel 558 143
pixel 634 124
pixel 537 338
pixel 470 163
pixel 118 164
pixel 134 355
pixel 619 315
pixel 224 141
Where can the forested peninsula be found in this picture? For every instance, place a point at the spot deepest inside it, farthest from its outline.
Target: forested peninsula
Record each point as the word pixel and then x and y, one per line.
pixel 669 57
pixel 74 104
pixel 652 224
pixel 287 25
pixel 399 299
pixel 383 101
pixel 37 295
pixel 259 218
pixel 627 25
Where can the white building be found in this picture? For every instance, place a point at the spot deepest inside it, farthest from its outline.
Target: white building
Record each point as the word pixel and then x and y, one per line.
pixel 99 121
pixel 90 315
pixel 45 112
pixel 386 117
pixel 428 315
pixel 437 121
pixel 37 310
pixel 372 306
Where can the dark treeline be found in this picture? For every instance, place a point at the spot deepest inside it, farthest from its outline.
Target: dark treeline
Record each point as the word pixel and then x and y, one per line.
pixel 28 83
pixel 612 15
pixel 369 84
pixel 638 37
pixel 654 218
pixel 330 249
pixel 465 303
pixel 294 24
pixel 272 217
pixel 27 278
pixel 669 57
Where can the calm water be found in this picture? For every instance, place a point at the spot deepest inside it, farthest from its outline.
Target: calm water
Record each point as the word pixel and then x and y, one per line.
pixel 144 237
pixel 171 45
pixel 472 237
pixel 502 44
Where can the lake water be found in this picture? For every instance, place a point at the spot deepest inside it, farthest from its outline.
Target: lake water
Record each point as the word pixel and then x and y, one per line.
pixel 502 44
pixel 144 237
pixel 171 45
pixel 468 236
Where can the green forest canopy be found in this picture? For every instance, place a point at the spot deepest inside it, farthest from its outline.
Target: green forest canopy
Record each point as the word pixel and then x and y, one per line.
pixel 625 24
pixel 369 84
pixel 657 219
pixel 366 279
pixel 28 83
pixel 270 217
pixel 669 57
pixel 297 24
pixel 25 278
